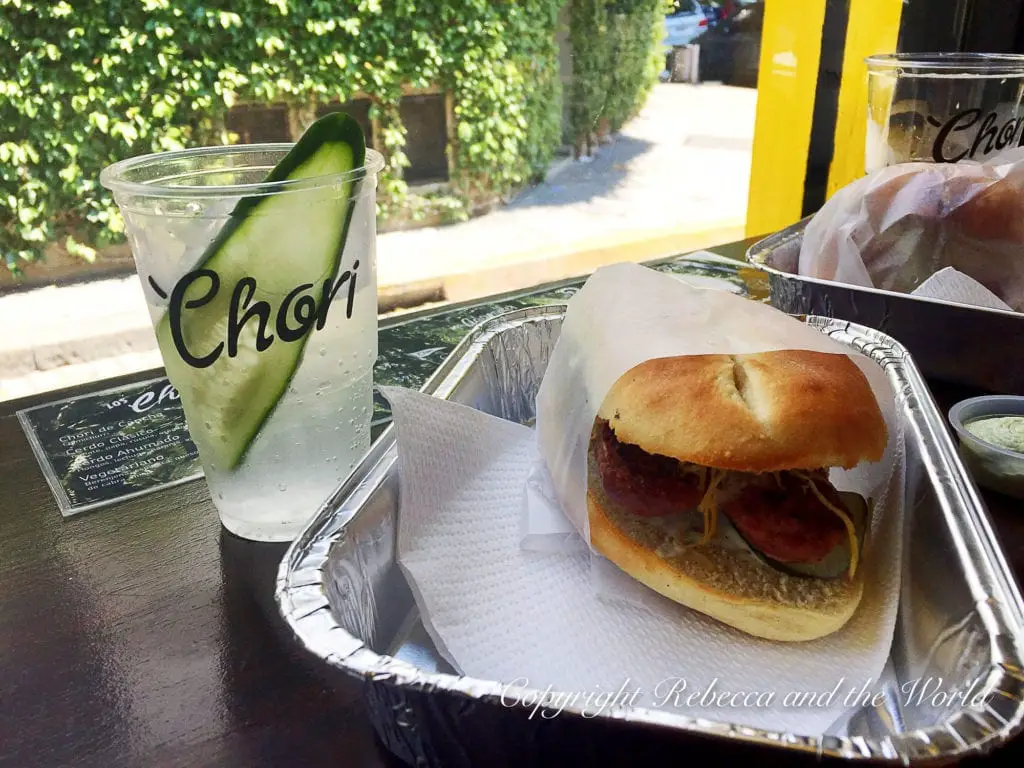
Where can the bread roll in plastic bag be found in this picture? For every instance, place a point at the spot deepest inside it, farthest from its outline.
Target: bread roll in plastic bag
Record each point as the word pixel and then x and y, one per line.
pixel 894 228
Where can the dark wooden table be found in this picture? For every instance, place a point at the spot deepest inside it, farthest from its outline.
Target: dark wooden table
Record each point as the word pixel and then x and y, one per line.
pixel 142 634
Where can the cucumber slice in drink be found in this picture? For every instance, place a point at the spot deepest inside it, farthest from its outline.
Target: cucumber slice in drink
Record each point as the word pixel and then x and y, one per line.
pixel 237 325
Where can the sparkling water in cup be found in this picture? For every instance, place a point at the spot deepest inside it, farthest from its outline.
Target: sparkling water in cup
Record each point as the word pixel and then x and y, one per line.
pixel 263 296
pixel 943 107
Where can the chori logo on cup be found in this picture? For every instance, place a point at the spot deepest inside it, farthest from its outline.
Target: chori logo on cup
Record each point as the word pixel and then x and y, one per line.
pixel 990 135
pixel 298 312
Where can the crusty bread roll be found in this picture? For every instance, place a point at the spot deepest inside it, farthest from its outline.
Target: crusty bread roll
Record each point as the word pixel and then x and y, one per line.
pixel 996 213
pixel 765 412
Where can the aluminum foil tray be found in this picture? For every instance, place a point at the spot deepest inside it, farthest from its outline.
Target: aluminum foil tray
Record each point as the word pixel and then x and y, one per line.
pixel 973 346
pixel 961 616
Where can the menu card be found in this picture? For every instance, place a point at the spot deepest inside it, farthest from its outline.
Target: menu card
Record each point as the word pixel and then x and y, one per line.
pixel 108 446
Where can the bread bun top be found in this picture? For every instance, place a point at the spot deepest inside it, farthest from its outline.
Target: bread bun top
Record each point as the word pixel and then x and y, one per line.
pixel 762 412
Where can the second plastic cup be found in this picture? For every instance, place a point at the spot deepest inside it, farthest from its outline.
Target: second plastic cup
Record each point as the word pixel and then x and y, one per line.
pixel 943 107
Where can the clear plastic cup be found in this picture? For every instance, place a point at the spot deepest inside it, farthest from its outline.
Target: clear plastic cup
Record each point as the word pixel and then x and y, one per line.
pixel 943 107
pixel 992 465
pixel 269 334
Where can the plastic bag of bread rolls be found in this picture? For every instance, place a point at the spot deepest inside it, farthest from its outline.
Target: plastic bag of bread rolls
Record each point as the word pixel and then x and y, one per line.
pixel 894 228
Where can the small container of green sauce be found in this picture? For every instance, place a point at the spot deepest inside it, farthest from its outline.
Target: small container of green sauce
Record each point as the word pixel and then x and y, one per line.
pixel 991 431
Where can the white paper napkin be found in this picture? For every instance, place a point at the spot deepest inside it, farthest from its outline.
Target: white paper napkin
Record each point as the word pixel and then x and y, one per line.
pixel 950 284
pixel 531 619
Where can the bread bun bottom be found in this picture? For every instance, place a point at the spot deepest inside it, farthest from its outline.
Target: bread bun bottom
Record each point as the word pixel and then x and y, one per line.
pixel 732 586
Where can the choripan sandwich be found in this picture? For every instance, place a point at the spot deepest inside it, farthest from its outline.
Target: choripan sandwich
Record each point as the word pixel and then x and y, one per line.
pixel 708 481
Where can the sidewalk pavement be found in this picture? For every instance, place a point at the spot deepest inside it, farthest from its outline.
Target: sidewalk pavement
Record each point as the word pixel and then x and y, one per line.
pixel 675 179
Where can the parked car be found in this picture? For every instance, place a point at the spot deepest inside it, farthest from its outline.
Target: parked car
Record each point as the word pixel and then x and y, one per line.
pixel 689 19
pixel 712 10
pixel 730 51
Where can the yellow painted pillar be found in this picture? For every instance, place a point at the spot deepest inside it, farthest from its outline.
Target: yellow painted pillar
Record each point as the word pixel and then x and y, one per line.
pixel 786 82
pixel 790 80
pixel 873 27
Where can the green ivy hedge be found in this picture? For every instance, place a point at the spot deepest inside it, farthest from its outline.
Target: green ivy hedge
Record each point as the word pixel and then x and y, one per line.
pixel 617 55
pixel 87 82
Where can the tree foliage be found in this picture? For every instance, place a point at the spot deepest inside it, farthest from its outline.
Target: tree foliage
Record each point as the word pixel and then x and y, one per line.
pixel 617 56
pixel 88 82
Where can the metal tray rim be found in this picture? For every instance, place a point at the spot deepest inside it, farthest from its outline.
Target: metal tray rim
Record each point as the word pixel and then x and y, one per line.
pixel 305 607
pixel 753 257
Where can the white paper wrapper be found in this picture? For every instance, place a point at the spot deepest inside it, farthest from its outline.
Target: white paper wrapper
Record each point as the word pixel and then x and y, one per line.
pixel 898 226
pixel 626 314
pixel 950 285
pixel 531 615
